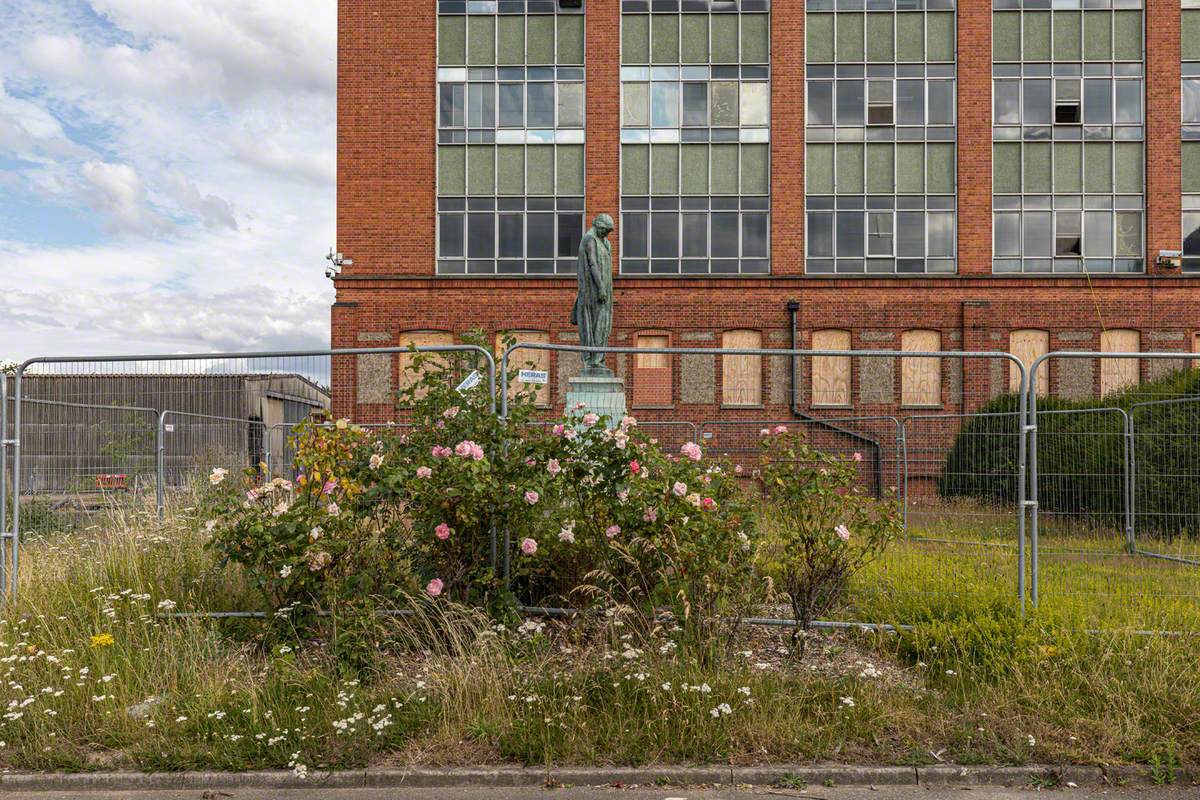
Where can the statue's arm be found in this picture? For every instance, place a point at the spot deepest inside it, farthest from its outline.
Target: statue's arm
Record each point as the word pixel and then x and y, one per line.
pixel 593 266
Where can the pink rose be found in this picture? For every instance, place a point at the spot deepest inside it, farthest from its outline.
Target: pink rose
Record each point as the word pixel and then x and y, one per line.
pixel 781 429
pixel 691 450
pixel 623 495
pixel 442 531
pixel 694 499
pixel 440 452
pixel 558 429
pixel 463 449
pixel 843 533
pixel 529 547
pixel 530 462
pixel 329 486
pixel 857 456
pixel 613 531
pixel 680 489
pixel 450 413
pixel 553 467
pixel 651 515
pixel 434 587
pixel 737 470
pixel 591 418
pixel 708 504
pixel 424 472
pixel 580 406
pixel 531 497
pixel 765 432
pixel 634 466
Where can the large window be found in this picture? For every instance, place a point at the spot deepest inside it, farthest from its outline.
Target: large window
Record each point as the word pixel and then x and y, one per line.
pixel 880 129
pixel 510 137
pixel 1068 129
pixel 695 137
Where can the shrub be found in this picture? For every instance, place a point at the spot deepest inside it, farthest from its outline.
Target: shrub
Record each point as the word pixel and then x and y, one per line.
pixel 823 527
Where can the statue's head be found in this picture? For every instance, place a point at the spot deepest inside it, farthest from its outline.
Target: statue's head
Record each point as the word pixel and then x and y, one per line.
pixel 603 224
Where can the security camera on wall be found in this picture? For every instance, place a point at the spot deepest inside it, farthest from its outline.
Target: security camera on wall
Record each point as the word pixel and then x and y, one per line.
pixel 336 262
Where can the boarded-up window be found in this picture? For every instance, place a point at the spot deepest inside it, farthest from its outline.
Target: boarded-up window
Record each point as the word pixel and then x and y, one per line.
pixel 741 375
pixel 1119 373
pixel 831 374
pixel 421 339
pixel 921 378
pixel 652 372
pixel 525 358
pixel 1195 345
pixel 1028 345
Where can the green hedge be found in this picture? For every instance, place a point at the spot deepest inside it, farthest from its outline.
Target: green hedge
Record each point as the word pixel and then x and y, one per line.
pixel 1081 456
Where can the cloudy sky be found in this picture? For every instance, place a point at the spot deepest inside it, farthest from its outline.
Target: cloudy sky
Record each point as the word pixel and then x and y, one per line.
pixel 166 175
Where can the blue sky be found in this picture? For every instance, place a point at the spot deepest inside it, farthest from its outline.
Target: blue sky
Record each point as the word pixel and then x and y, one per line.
pixel 166 175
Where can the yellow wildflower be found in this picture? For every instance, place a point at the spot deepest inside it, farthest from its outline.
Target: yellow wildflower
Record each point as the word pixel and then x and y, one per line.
pixel 102 640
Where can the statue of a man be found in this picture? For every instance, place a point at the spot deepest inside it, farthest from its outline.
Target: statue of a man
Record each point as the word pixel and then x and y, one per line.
pixel 593 304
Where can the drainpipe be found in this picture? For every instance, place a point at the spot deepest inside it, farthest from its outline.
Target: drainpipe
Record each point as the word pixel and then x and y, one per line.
pixel 793 308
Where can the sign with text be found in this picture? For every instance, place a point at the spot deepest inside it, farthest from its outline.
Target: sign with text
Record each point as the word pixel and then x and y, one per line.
pixel 470 382
pixel 537 376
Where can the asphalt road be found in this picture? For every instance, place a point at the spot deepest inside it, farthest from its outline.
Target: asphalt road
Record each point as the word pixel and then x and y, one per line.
pixel 315 792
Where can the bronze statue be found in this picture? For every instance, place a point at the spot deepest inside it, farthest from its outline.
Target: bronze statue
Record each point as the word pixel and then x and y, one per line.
pixel 593 305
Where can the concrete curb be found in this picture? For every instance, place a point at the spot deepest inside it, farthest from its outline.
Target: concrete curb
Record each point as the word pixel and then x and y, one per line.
pixel 808 775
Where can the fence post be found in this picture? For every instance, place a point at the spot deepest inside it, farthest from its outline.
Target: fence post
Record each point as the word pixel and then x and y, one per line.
pixel 3 484
pixel 160 466
pixel 1130 472
pixel 14 541
pixel 902 464
pixel 1027 380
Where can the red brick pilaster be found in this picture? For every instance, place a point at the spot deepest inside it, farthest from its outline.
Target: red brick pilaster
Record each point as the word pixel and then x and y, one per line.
pixel 787 138
pixel 974 137
pixel 1163 182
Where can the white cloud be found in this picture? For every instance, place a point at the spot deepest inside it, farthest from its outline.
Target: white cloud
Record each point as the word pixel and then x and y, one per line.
pixel 213 211
pixel 118 193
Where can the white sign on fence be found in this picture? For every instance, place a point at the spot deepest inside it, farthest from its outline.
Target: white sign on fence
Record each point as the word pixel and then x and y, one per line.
pixel 470 382
pixel 537 376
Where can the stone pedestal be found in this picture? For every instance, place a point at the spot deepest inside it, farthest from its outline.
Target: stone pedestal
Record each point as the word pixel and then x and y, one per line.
pixel 601 391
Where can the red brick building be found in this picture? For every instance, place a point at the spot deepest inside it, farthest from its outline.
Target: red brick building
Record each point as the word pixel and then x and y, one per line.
pixel 909 173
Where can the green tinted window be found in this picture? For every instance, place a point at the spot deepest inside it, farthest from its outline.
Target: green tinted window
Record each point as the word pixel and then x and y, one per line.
pixel 452 40
pixel 541 39
pixel 756 38
pixel 540 169
pixel 939 27
pixel 849 179
pixel 510 40
pixel 724 172
pixel 1097 167
pixel 1006 167
pixel 570 39
pixel 569 175
pixel 818 169
pixel 510 169
pixel 452 170
pixel 1068 167
pixel 1097 35
pixel 1191 167
pixel 1036 38
pixel 635 168
pixel 694 168
pixel 940 168
pixel 1068 35
pixel 910 167
pixel 819 37
pixel 880 37
pixel 664 39
pixel 1037 167
pixel 1127 170
pixel 910 36
pixel 664 168
pixel 756 173
pixel 481 40
pixel 724 38
pixel 481 170
pixel 1127 35
pixel 1006 36
pixel 693 39
pixel 881 168
pixel 849 37
pixel 1191 34
pixel 635 38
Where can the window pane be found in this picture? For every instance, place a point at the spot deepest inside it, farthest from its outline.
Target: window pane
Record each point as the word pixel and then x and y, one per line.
pixel 570 39
pixel 1127 169
pixel 635 169
pixel 818 39
pixel 755 104
pixel 1191 233
pixel 569 172
pixel 1097 101
pixel 541 104
pixel 939 35
pixel 941 102
pixel 1097 35
pixel 481 235
pixel 756 172
pixel 1068 167
pixel 570 232
pixel 510 169
pixel 820 233
pixel 850 100
pixel 910 234
pixel 910 168
pixel 512 236
pixel 481 170
pixel 1191 34
pixel 849 37
pixel 850 168
pixel 1068 35
pixel 635 38
pixel 818 168
pixel 664 169
pixel 540 169
pixel 693 44
pixel 694 168
pixel 452 170
pixel 725 103
pixel 541 235
pixel 695 104
pixel 481 40
pixel 1097 167
pixel 940 226
pixel 1036 39
pixel 452 40
pixel 1006 167
pixel 1127 35
pixel 481 105
pixel 820 102
pixel 1190 152
pixel 725 39
pixel 451 108
pixel 910 37
pixel 1068 238
pixel 881 169
pixel 754 235
pixel 540 39
pixel 879 233
pixel 725 235
pixel 1097 234
pixel 512 105
pixel 940 168
pixel 450 235
pixel 635 234
pixel 664 39
pixel 695 235
pixel 635 105
pixel 1037 167
pixel 1006 36
pixel 1006 102
pixel 724 172
pixel 1129 234
pixel 881 36
pixel 850 234
pixel 1007 233
pixel 1038 235
pixel 910 102
pixel 1129 101
pixel 510 40
pixel 1037 102
pixel 756 39
pixel 570 105
pixel 664 105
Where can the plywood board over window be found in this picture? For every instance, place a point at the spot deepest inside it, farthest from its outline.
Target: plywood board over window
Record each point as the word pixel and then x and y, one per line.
pixel 652 378
pixel 1119 373
pixel 741 375
pixel 1028 345
pixel 420 339
pixel 921 378
pixel 525 358
pixel 831 374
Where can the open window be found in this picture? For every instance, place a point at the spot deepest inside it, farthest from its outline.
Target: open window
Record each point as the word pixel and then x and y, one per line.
pixel 880 104
pixel 1068 235
pixel 1067 109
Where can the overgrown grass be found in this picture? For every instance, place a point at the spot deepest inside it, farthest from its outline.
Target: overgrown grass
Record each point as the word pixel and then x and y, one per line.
pixel 973 682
